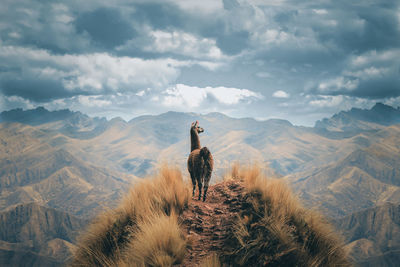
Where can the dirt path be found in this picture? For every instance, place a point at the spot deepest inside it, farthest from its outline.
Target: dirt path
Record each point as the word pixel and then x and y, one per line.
pixel 206 223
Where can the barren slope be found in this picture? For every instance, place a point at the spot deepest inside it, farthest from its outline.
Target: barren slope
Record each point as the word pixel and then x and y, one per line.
pixel 32 235
pixel 34 171
pixel 373 235
pixel 363 179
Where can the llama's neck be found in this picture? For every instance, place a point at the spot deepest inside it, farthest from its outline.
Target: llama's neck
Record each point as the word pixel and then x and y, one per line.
pixel 194 140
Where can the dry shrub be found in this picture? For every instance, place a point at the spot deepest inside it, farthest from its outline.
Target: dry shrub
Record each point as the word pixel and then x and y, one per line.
pixel 157 242
pixel 150 203
pixel 100 244
pixel 274 229
pixel 234 173
pixel 211 261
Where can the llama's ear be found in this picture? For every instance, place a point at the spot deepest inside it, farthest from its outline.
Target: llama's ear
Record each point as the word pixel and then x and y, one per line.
pixel 197 123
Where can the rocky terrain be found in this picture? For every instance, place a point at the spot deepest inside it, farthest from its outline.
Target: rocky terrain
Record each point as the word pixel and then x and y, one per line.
pixel 207 224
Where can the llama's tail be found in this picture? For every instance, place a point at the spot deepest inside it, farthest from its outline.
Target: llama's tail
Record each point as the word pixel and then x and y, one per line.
pixel 205 153
pixel 208 168
pixel 208 160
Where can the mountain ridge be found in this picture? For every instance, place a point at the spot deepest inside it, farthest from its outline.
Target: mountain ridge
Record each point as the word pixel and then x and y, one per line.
pixel 379 113
pixel 357 119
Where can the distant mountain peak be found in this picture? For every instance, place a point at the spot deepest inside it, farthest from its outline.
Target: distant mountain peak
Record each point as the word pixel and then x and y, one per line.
pixel 71 123
pixel 117 119
pixel 379 107
pixel 216 115
pixel 280 122
pixel 365 119
pixel 35 116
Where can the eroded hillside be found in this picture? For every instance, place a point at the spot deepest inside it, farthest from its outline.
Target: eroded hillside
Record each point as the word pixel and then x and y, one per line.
pixel 33 235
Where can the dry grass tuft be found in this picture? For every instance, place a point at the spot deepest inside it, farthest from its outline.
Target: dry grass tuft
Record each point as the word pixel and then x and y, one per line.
pixel 211 261
pixel 274 229
pixel 234 172
pixel 157 242
pixel 148 212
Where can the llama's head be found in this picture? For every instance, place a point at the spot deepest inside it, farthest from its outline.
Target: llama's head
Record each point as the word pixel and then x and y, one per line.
pixel 195 127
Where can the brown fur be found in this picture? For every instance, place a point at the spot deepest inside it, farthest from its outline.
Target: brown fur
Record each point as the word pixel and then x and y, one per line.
pixel 194 137
pixel 207 168
pixel 200 162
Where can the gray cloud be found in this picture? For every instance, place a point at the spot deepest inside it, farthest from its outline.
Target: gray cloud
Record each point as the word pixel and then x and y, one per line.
pixel 105 26
pixel 35 89
pixel 360 28
pixel 159 15
pixel 47 25
pixel 373 75
pixel 233 43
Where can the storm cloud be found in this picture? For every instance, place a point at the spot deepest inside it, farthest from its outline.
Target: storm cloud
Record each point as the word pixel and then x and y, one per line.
pixel 297 60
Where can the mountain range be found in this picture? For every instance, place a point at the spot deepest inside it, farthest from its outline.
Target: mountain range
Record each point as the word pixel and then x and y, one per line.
pixel 373 235
pixel 33 170
pixel 33 235
pixel 364 178
pixel 76 164
pixel 357 120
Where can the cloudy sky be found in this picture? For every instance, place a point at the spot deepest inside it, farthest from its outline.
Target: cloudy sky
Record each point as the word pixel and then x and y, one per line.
pixel 255 58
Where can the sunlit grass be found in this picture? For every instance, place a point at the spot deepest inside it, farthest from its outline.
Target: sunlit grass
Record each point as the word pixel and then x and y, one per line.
pixel 271 228
pixel 143 229
pixel 274 229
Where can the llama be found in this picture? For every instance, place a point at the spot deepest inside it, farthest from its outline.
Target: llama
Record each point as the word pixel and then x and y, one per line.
pixel 200 162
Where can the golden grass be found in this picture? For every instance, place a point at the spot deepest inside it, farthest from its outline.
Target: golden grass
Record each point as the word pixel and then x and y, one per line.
pixel 158 242
pixel 271 229
pixel 148 212
pixel 275 230
pixel 211 261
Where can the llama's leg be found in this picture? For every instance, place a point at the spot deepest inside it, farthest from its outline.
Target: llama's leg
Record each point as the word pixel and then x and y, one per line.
pixel 193 183
pixel 206 181
pixel 205 192
pixel 199 185
pixel 194 187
